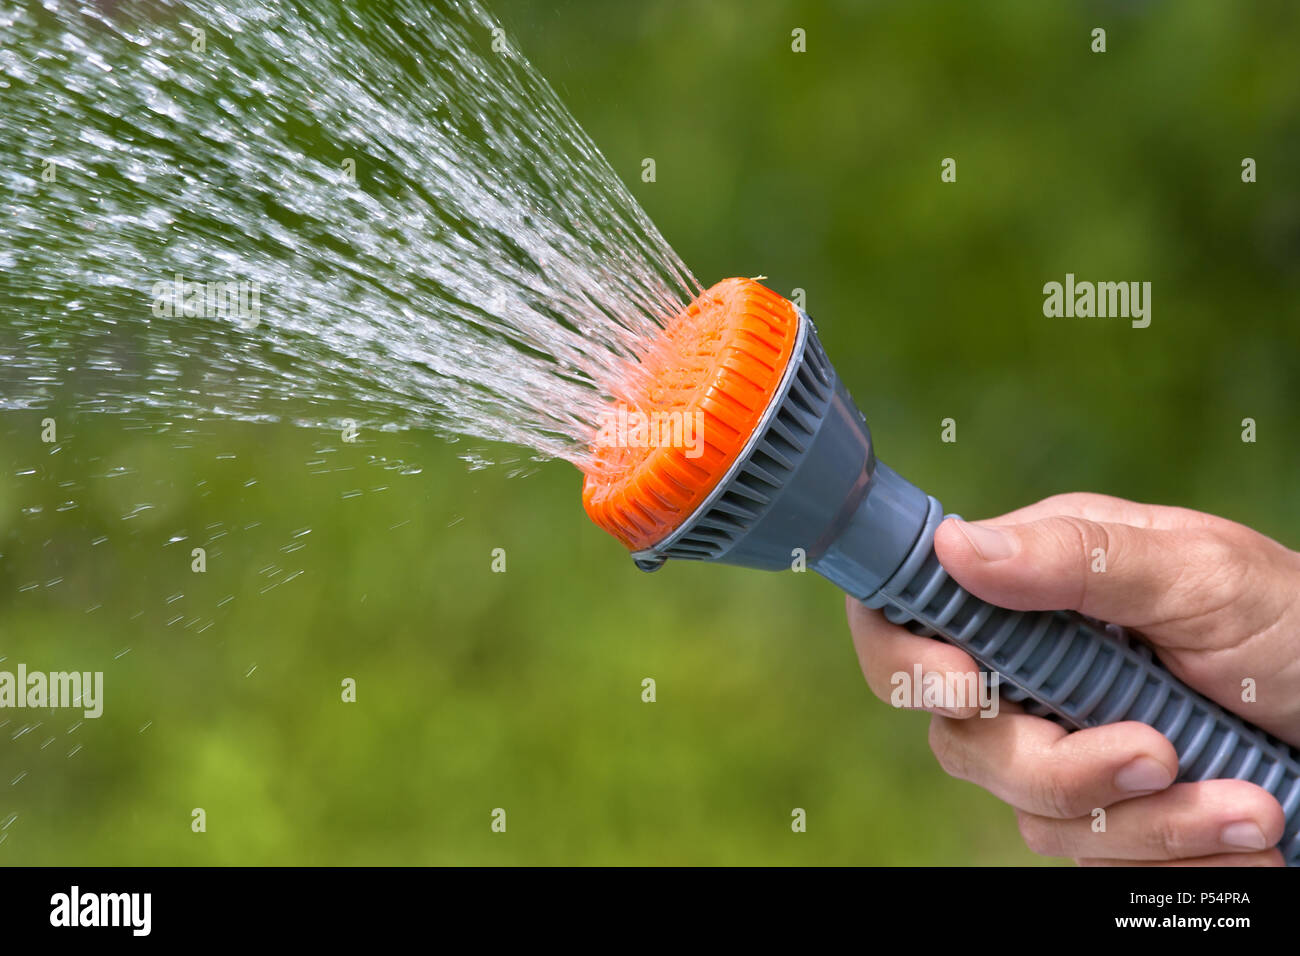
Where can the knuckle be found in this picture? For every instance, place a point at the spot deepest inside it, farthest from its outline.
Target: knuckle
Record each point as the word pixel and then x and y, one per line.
pixel 1214 553
pixel 1042 836
pixel 1213 571
pixel 1057 797
pixel 1068 501
pixel 1080 540
pixel 947 750
pixel 1083 534
pixel 1164 837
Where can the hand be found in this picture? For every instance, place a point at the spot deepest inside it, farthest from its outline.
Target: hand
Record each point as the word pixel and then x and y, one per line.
pixel 1218 602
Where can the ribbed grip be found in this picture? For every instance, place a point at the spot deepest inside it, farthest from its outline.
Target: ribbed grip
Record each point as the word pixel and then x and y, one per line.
pixel 1086 673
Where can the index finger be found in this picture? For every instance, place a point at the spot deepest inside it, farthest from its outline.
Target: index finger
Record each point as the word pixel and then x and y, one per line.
pixel 886 651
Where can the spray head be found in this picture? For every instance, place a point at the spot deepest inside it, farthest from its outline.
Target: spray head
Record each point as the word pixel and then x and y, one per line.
pixel 739 444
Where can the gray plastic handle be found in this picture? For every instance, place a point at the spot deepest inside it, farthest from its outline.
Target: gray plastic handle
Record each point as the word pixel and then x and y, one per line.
pixel 1086 673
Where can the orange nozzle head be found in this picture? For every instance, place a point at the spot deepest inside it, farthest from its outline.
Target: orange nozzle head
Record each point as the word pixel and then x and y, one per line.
pixel 707 380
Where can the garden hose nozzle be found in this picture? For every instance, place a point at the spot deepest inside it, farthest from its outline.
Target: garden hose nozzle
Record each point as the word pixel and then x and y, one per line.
pixel 740 444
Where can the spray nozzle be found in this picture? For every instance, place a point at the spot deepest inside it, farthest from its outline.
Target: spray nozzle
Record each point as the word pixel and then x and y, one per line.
pixel 706 383
pixel 780 473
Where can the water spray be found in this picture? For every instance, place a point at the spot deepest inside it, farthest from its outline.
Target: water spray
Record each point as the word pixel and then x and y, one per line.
pixel 788 463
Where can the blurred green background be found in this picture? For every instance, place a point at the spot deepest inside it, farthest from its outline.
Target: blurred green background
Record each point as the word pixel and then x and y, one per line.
pixel 522 690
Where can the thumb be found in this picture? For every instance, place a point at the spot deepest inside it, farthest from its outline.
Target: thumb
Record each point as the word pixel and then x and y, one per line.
pixel 1115 572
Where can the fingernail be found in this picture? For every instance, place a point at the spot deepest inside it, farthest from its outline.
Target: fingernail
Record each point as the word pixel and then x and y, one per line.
pixel 989 543
pixel 1246 835
pixel 1143 775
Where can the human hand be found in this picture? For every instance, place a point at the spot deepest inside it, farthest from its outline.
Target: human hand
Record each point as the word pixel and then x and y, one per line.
pixel 1218 602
